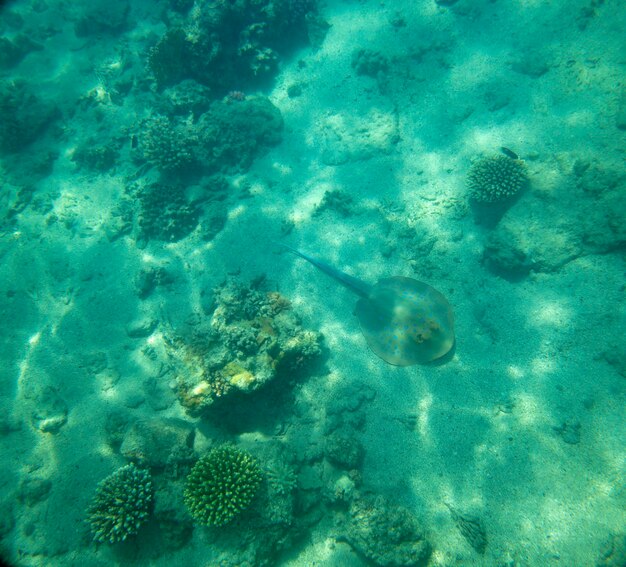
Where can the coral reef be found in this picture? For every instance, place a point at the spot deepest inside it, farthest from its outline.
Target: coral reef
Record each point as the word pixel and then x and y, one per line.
pixel 102 16
pixel 496 178
pixel 227 137
pixel 385 534
pixel 221 485
pixel 166 145
pixel 184 98
pixel 165 213
pixel 251 338
pixel 234 132
pixel 230 45
pixel 23 116
pixel 122 503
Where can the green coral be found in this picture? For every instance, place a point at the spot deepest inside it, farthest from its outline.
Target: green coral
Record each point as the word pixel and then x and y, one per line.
pixel 122 503
pixel 221 485
pixel 496 178
pixel 167 145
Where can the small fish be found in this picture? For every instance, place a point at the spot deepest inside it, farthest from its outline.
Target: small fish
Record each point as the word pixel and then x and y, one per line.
pixel 509 153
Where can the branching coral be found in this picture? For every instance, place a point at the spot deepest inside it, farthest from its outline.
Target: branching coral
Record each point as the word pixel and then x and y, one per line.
pixel 496 178
pixel 221 485
pixel 166 145
pixel 122 503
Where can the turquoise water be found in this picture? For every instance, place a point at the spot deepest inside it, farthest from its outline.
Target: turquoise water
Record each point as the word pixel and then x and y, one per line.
pixel 177 389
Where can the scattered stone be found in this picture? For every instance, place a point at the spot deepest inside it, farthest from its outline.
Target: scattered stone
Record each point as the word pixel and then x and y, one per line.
pixel 51 411
pixel 615 355
pixel 159 396
pixel 134 399
pixel 344 489
pixel 346 411
pixel 115 425
pixel 141 327
pixel 9 424
pixel 370 63
pixel 580 213
pixel 32 491
pixel 7 517
pixel 151 442
pixel 345 451
pixel 496 98
pixel 175 524
pixel 338 201
pixel 294 90
pixel 569 432
pixel 613 553
pixel 531 64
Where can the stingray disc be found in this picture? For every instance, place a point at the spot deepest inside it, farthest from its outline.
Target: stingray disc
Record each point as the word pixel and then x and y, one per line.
pixel 406 322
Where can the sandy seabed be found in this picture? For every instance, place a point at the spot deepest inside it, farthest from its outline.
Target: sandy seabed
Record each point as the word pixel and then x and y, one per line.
pixel 524 425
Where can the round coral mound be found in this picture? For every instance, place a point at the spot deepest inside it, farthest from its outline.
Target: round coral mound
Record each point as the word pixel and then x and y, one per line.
pixel 496 178
pixel 121 504
pixel 221 485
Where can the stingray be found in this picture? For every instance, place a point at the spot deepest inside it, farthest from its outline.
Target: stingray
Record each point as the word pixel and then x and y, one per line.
pixel 404 321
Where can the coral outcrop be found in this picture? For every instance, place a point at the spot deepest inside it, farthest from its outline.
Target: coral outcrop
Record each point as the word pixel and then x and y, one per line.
pixel 122 503
pixel 230 45
pixel 221 485
pixel 250 339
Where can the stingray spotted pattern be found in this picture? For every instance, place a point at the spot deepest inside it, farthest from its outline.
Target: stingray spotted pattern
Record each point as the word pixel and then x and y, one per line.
pixel 404 321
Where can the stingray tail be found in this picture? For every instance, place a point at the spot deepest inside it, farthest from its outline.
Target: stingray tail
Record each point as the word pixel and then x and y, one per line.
pixel 355 285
